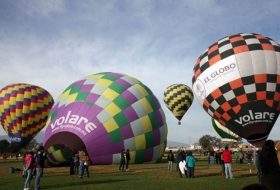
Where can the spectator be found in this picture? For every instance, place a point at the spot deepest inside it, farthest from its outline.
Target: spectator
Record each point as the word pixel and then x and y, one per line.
pixel 86 164
pixel 29 161
pixel 212 156
pixel 190 162
pixel 40 164
pixel 222 163
pixel 170 158
pixel 258 166
pixel 82 161
pixel 76 163
pixel 127 154
pixel 122 160
pixel 182 163
pixel 236 157
pixel 24 172
pixel 269 165
pixel 228 162
pixel 4 157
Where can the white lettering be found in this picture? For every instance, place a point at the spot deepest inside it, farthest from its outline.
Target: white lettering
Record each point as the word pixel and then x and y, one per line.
pixel 252 117
pixel 75 120
pixel 90 127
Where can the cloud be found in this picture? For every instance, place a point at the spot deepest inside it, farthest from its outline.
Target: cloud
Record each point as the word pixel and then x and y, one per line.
pixel 54 43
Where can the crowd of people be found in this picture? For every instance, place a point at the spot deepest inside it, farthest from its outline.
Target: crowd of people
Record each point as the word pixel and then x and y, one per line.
pixel 267 164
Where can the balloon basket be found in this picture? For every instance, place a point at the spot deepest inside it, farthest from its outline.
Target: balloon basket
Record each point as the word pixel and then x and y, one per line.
pixel 179 123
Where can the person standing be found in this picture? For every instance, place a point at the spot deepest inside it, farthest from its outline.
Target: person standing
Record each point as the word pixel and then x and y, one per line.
pixel 241 156
pixel 82 162
pixel 72 163
pixel 40 164
pixel 24 172
pixel 228 162
pixel 170 159
pixel 236 157
pixel 222 163
pixel 269 166
pixel 86 164
pixel 190 162
pixel 258 166
pixel 182 163
pixel 4 157
pixel 217 156
pixel 127 154
pixel 249 157
pixel 76 163
pixel 29 166
pixel 122 161
pixel 212 157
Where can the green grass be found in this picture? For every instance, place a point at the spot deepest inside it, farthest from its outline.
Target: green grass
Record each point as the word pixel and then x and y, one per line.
pixel 140 176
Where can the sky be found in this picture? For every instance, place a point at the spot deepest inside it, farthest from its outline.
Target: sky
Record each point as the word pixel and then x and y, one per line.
pixel 53 43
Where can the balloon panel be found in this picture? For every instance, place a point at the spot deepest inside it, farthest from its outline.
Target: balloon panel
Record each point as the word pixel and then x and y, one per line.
pixel 178 99
pixel 108 112
pixel 24 109
pixel 236 80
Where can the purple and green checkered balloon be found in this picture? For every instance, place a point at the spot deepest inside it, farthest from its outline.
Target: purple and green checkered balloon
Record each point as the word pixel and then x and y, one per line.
pixel 108 112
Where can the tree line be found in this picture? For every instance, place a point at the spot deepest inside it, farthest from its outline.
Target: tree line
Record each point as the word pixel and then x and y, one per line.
pixel 7 147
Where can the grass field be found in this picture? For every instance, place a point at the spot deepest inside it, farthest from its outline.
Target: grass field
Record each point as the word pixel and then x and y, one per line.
pixel 139 176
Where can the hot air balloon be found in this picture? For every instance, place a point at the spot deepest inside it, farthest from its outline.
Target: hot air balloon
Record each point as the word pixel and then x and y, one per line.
pixel 107 112
pixel 178 98
pixel 236 81
pixel 227 136
pixel 58 153
pixel 24 110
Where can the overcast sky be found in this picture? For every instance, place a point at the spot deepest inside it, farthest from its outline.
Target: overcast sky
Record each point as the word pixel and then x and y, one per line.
pixel 53 43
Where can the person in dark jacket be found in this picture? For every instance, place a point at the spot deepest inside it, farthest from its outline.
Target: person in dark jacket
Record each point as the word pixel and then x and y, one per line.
pixel 180 158
pixel 170 158
pixel 40 164
pixel 269 165
pixel 122 161
pixel 127 154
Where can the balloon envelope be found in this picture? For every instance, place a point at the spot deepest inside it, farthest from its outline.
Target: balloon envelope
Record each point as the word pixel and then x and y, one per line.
pixel 178 98
pixel 24 110
pixel 236 81
pixel 108 112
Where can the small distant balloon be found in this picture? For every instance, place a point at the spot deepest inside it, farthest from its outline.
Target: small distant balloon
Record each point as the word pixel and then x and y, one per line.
pixel 24 109
pixel 237 82
pixel 178 98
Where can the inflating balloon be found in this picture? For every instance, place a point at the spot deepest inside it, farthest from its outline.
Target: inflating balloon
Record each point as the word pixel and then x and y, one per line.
pixel 58 153
pixel 178 98
pixel 227 136
pixel 236 81
pixel 24 110
pixel 108 112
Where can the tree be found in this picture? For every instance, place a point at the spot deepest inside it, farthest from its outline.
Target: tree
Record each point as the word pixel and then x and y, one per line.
pixel 4 146
pixel 14 148
pixel 32 145
pixel 207 142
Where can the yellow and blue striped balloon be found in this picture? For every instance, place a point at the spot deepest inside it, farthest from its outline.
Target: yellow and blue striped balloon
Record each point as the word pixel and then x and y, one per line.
pixel 24 109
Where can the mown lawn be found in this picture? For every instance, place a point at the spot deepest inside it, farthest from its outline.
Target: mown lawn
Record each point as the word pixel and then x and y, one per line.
pixel 139 176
